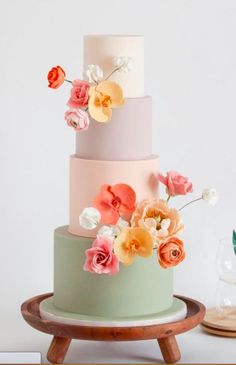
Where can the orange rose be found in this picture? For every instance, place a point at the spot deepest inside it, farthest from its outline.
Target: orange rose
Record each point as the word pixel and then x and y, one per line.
pixel 56 77
pixel 171 252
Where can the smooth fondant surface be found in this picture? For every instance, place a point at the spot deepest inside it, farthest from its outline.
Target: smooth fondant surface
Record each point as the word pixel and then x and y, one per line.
pixel 100 50
pixel 128 136
pixel 176 312
pixel 143 288
pixel 87 176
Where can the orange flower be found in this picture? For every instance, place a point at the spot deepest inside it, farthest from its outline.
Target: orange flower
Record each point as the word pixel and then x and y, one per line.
pixel 156 217
pixel 56 77
pixel 132 242
pixel 103 98
pixel 171 252
pixel 114 201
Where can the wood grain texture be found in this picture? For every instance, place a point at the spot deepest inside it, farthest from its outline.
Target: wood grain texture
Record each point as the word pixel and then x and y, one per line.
pixel 58 349
pixel 64 333
pixel 169 349
pixel 30 312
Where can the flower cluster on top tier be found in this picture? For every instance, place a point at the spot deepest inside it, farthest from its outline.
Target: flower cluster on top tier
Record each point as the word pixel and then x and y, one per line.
pixel 96 96
pixel 129 228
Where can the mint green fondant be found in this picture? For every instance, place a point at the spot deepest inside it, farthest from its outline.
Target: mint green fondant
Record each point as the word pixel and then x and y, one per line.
pixel 177 310
pixel 140 289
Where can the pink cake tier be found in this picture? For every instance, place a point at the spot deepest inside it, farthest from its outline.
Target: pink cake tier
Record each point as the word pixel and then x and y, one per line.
pixel 87 176
pixel 128 136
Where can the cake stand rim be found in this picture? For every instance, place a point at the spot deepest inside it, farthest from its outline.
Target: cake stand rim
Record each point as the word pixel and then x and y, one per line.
pixel 30 312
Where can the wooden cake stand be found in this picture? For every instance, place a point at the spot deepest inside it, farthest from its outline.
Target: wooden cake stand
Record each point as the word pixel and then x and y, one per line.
pixel 64 333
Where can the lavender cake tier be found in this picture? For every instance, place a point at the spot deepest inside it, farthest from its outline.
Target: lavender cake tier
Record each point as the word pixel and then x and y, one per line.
pixel 128 136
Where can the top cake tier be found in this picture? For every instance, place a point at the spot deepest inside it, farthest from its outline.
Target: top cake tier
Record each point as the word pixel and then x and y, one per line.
pixel 100 50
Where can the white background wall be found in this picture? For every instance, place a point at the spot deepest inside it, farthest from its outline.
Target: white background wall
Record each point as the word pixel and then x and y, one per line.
pixel 191 74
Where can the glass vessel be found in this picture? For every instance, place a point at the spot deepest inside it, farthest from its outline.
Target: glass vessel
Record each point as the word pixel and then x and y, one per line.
pixel 226 268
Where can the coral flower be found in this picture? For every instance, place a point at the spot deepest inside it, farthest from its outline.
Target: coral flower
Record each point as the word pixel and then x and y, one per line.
pixel 79 94
pixel 100 258
pixel 160 220
pixel 171 252
pixel 176 184
pixel 56 77
pixel 104 97
pixel 132 242
pixel 115 201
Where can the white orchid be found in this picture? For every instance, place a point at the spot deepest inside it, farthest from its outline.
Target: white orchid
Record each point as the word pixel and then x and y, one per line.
pixel 94 73
pixel 89 218
pixel 123 64
pixel 210 196
pixel 113 231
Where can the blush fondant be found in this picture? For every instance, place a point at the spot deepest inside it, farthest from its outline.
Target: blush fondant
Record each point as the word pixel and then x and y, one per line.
pixel 100 50
pixel 87 176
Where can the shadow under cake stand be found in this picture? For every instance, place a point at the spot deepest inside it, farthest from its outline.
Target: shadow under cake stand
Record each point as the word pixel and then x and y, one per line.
pixel 64 333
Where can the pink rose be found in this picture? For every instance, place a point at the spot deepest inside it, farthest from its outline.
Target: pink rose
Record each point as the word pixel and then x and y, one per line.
pixel 100 259
pixel 176 184
pixel 78 119
pixel 79 94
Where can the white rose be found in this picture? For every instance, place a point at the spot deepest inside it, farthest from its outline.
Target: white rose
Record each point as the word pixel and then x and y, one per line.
pixel 124 64
pixel 89 218
pixel 107 231
pixel 210 196
pixel 113 231
pixel 94 73
pixel 122 223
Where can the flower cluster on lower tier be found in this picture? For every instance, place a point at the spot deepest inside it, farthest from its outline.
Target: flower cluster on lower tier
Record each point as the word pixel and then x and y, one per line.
pixel 130 228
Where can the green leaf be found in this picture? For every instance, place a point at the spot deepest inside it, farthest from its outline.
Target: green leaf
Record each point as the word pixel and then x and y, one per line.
pixel 234 241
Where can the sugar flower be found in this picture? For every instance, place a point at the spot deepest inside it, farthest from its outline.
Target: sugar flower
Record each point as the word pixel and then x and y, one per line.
pixel 103 98
pixel 156 217
pixel 77 119
pixel 56 77
pixel 123 64
pixel 107 231
pixel 176 184
pixel 171 252
pixel 133 242
pixel 115 201
pixel 100 258
pixel 113 231
pixel 79 94
pixel 89 218
pixel 94 73
pixel 210 196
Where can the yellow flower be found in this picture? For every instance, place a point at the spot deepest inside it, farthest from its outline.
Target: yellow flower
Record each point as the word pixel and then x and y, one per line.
pixel 132 242
pixel 103 97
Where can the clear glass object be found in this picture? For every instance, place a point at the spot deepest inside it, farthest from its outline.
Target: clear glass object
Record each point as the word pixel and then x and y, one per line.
pixel 226 268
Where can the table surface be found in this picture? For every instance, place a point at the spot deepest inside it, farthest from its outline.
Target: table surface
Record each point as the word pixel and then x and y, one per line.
pixel 196 346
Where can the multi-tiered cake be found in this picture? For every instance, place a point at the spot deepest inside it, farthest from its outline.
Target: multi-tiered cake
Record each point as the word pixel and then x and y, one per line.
pixel 111 158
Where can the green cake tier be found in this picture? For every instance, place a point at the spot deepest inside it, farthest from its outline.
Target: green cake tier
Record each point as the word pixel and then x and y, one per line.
pixel 143 288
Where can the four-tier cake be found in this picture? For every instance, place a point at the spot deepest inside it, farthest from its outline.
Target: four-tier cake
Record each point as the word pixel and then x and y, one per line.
pixel 111 170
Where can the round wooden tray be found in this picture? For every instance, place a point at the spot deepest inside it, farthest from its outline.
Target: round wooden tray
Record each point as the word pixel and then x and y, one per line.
pixel 220 324
pixel 64 333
